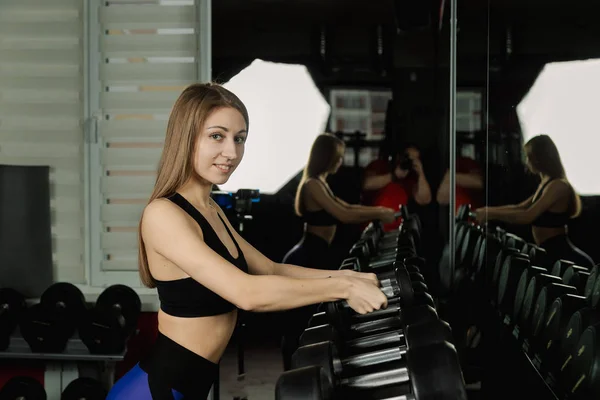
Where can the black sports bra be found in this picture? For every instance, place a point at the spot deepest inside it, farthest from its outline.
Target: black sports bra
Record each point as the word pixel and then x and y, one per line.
pixel 550 219
pixel 320 217
pixel 186 297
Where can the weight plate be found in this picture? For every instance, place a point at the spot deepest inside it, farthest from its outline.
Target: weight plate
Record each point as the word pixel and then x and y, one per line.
pixel 23 388
pixel 558 317
pixel 103 332
pixel 44 331
pixel 560 267
pixel 509 281
pixel 12 305
pixel 437 363
pixel 536 283
pixel 547 295
pixel 596 293
pixel 407 293
pixel 64 298
pixel 580 320
pixel 591 281
pixel 84 388
pixel 576 276
pixel 585 365
pixel 123 300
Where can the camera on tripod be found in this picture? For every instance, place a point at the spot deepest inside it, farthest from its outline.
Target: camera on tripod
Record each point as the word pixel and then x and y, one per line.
pixel 239 202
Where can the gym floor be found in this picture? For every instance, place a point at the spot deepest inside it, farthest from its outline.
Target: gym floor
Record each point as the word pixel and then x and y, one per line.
pixel 263 366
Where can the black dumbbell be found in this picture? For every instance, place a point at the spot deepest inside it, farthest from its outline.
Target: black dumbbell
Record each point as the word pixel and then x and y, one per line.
pixel 106 327
pixel 522 288
pixel 399 291
pixel 508 281
pixel 413 381
pixel 23 387
pixel 581 377
pixel 558 316
pixel 12 305
pixel 536 285
pixel 570 336
pixel 84 388
pixel 327 354
pixel 576 276
pixel 48 325
pixel 373 333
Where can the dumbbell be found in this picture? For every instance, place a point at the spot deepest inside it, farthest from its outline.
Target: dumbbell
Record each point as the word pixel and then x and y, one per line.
pixel 327 354
pixel 23 388
pixel 48 325
pixel 558 316
pixel 569 339
pixel 513 241
pixel 84 388
pixel 410 380
pixel 105 328
pixel 581 376
pixel 360 336
pixel 12 305
pixel 488 252
pixel 400 292
pixel 552 287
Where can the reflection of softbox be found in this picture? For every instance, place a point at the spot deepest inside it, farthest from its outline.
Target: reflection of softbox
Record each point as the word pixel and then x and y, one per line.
pixel 563 104
pixel 287 112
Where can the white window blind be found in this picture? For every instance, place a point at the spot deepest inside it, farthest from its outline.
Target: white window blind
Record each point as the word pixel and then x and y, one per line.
pixel 41 109
pixel 147 52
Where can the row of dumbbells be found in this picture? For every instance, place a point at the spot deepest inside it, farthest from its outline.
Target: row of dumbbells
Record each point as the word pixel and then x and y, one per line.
pixel 550 308
pixel 62 313
pixel 28 388
pixel 402 352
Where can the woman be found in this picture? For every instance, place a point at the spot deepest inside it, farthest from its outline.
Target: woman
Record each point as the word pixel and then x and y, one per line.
pixel 203 269
pixel 321 211
pixel 549 209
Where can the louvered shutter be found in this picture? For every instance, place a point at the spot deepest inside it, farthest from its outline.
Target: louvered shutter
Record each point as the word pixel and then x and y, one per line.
pixel 147 52
pixel 41 112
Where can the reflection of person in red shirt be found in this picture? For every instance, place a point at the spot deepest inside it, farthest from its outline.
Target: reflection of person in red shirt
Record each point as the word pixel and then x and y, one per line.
pixel 393 184
pixel 469 184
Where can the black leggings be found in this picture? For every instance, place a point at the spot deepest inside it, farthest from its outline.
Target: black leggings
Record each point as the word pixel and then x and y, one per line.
pixel 168 372
pixel 561 248
pixel 311 252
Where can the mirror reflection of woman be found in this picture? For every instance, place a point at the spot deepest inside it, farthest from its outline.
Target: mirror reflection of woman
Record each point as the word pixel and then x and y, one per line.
pixel 549 209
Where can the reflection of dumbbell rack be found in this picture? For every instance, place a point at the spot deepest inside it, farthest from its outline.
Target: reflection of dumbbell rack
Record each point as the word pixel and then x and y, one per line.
pixel 543 314
pixel 240 204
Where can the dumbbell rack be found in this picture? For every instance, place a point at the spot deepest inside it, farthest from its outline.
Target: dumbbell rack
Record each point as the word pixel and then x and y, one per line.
pixel 63 368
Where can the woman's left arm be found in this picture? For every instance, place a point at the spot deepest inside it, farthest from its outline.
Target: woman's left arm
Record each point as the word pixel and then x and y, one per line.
pixel 554 192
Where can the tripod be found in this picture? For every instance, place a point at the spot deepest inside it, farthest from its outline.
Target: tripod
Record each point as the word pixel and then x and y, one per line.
pixel 241 203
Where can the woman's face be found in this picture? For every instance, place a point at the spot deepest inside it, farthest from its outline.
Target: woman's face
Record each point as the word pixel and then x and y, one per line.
pixel 220 145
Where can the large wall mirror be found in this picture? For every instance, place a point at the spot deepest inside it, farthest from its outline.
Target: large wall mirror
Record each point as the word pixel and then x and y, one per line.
pixel 528 78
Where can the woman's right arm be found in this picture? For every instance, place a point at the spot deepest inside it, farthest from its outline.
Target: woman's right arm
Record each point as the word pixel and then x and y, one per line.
pixel 342 213
pixel 170 232
pixel 521 206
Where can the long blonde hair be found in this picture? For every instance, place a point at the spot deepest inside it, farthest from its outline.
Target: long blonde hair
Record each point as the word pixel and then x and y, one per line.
pixel 544 158
pixel 176 164
pixel 326 151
